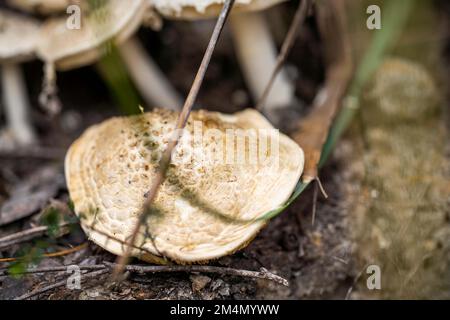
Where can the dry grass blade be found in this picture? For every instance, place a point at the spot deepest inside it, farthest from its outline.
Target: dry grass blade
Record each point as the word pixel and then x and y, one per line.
pixel 181 123
pixel 395 18
pixel 98 270
pixel 313 130
pixel 61 253
pixel 261 274
pixel 288 43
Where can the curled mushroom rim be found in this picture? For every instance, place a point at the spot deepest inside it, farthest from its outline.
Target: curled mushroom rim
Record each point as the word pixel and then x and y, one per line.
pixel 90 186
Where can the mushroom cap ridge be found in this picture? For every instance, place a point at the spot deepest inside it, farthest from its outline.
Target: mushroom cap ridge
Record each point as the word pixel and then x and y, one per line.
pixel 204 210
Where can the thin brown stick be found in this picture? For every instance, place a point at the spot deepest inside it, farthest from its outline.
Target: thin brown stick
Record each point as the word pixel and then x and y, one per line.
pixel 317 186
pixel 50 255
pixel 299 18
pixel 66 251
pixel 314 204
pixel 181 123
pixel 313 130
pixel 41 153
pixel 59 284
pixel 126 243
pixel 24 236
pixel 355 281
pixel 261 274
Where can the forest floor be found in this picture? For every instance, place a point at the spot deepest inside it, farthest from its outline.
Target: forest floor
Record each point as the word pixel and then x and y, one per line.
pixel 320 260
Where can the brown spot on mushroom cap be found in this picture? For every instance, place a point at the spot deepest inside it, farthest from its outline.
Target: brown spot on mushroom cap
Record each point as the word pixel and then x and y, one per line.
pixel 197 9
pixel 204 210
pixel 115 21
pixel 18 37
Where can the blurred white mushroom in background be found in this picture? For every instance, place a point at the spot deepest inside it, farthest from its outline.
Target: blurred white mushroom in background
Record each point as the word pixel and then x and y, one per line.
pixel 41 6
pixel 18 35
pixel 113 22
pixel 254 43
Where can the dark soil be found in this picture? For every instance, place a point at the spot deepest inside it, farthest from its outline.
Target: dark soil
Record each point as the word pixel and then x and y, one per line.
pixel 318 260
pixel 315 259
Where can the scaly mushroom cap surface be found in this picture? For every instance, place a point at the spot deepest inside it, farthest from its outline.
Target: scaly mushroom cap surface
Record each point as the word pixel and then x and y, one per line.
pixel 18 37
pixel 204 209
pixel 196 9
pixel 41 6
pixel 115 21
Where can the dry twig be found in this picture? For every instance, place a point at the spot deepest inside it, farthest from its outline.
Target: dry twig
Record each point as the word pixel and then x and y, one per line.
pixel 26 235
pixel 288 43
pixel 125 243
pixel 261 274
pixel 59 284
pixel 313 130
pixel 50 255
pixel 181 123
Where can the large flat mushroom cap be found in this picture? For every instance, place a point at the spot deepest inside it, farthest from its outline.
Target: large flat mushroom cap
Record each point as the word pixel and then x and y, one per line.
pixel 18 37
pixel 41 6
pixel 205 209
pixel 68 48
pixel 196 9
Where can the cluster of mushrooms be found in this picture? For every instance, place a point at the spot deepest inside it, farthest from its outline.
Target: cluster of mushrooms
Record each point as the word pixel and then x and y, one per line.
pixel 203 210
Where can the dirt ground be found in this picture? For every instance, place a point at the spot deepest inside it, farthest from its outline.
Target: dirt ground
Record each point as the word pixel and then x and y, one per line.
pixel 321 260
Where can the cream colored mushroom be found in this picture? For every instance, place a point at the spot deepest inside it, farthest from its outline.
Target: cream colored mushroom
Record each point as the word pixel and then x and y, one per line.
pixel 207 207
pixel 17 45
pixel 41 6
pixel 255 47
pixel 114 22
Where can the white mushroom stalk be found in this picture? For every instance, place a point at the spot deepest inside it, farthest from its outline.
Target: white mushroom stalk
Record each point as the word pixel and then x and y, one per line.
pixel 257 54
pixel 48 99
pixel 148 78
pixel 254 44
pixel 17 45
pixel 15 99
pixel 115 23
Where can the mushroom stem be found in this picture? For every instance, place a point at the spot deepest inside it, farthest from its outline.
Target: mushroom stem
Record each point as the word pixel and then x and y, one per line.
pixel 149 79
pixel 257 54
pixel 16 104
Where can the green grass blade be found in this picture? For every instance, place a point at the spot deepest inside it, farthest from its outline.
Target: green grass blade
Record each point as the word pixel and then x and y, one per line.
pixel 395 16
pixel 301 186
pixel 115 75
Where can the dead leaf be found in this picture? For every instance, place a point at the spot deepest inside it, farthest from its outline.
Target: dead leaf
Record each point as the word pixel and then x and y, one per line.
pixel 313 130
pixel 31 195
